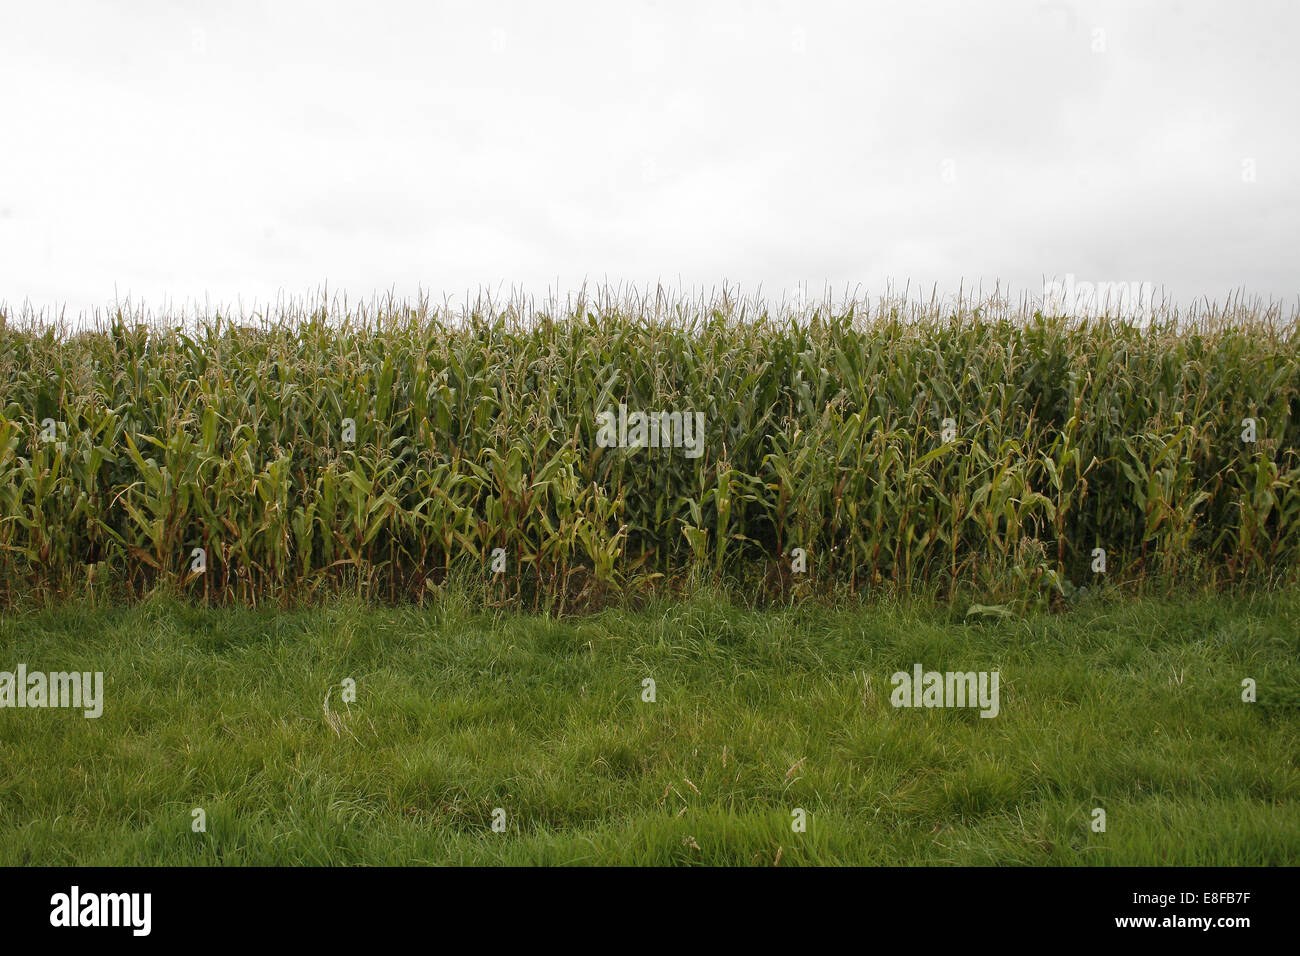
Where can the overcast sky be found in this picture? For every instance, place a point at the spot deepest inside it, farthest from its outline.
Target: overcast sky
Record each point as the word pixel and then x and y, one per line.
pixel 183 150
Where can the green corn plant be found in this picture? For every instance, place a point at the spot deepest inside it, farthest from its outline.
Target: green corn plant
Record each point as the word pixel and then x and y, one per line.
pixel 476 430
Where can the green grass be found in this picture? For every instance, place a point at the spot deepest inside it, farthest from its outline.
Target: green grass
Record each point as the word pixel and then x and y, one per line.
pixel 1131 706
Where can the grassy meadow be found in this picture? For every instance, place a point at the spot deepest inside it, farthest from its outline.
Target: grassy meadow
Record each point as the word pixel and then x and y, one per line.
pixel 1131 706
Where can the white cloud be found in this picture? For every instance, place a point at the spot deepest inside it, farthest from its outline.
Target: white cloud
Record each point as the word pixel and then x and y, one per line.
pixel 170 153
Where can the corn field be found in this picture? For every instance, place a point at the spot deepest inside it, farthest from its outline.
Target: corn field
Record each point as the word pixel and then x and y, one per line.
pixel 976 448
